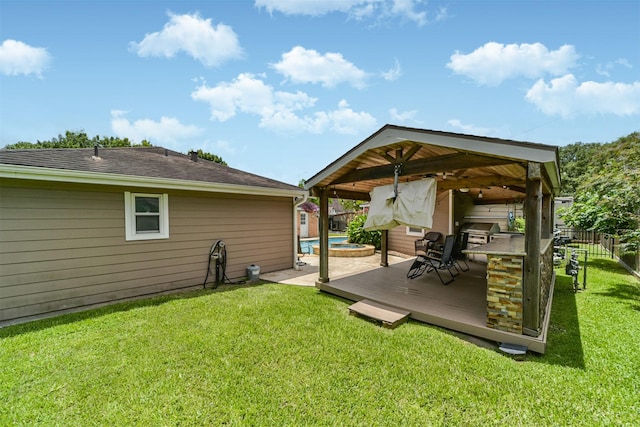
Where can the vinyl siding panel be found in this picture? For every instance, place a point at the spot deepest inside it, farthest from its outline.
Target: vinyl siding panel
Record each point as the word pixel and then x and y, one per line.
pixel 399 241
pixel 64 246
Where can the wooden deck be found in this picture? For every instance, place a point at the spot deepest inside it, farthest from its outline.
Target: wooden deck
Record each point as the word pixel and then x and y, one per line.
pixel 459 306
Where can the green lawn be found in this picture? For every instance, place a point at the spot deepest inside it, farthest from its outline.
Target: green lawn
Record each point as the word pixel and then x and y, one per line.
pixel 285 355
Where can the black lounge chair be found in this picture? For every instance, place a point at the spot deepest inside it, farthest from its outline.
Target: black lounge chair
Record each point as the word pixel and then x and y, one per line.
pixel 429 241
pixel 458 256
pixel 435 261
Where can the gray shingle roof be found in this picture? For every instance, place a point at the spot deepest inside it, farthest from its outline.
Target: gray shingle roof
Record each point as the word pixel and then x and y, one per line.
pixel 154 162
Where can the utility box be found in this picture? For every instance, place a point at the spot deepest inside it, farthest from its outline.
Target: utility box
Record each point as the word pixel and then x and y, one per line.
pixel 253 272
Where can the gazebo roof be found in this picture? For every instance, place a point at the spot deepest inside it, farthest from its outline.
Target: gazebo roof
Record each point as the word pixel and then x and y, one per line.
pixel 497 167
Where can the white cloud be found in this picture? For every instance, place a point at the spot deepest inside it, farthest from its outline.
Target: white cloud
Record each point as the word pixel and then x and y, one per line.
pixel 167 132
pixel 604 70
pixel 226 147
pixel 393 73
pixel 441 14
pixel 211 45
pixel 469 129
pixel 278 111
pixel 356 9
pixel 402 116
pixel 17 58
pixel 493 63
pixel 346 121
pixel 301 65
pixel 406 8
pixel 566 97
pixel 305 7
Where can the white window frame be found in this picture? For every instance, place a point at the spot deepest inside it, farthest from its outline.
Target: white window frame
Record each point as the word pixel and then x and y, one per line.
pixel 415 233
pixel 130 217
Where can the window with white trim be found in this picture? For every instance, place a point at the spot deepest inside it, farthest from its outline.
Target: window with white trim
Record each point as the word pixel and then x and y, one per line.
pixel 146 216
pixel 413 231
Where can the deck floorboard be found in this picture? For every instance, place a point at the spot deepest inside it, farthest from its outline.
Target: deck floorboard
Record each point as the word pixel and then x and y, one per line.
pixel 460 305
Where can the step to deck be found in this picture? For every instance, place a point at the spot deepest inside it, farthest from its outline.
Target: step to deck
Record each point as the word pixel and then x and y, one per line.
pixel 389 316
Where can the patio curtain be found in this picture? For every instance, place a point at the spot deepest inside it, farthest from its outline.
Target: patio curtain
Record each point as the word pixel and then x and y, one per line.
pixel 413 206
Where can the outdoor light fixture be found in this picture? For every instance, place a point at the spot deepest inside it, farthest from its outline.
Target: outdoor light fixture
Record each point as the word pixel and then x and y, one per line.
pixel 480 195
pixel 464 190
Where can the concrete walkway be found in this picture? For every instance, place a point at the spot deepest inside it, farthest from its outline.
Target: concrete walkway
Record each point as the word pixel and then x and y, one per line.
pixel 338 267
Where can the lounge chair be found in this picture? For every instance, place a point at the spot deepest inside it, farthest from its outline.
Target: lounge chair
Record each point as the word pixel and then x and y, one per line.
pixel 429 241
pixel 458 256
pixel 435 260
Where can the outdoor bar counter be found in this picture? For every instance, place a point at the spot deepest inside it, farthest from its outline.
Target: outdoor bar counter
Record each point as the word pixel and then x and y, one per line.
pixel 505 278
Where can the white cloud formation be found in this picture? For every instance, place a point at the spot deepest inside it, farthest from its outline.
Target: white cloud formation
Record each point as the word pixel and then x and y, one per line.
pixel 305 7
pixel 301 65
pixel 469 129
pixel 17 58
pixel 565 97
pixel 406 8
pixel 604 70
pixel 167 132
pixel 356 9
pixel 393 73
pixel 493 63
pixel 402 116
pixel 278 111
pixel 210 44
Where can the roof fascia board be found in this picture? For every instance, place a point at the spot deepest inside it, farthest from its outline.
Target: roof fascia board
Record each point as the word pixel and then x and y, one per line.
pixel 63 175
pixel 502 148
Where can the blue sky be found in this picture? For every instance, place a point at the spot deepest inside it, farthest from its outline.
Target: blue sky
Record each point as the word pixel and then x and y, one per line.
pixel 281 88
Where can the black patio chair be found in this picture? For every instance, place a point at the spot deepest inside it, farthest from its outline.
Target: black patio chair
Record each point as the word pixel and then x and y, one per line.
pixel 458 257
pixel 435 261
pixel 429 241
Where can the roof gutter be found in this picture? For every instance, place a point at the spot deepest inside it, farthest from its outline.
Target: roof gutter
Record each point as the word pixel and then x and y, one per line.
pixel 97 178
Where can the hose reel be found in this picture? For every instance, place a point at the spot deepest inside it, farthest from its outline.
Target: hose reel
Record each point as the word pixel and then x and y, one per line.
pixel 218 256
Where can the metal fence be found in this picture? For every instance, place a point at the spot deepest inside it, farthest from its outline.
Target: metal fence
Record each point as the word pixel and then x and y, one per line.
pixel 600 244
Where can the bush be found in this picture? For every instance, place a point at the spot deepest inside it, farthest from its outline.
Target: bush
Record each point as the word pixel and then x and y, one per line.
pixel 357 234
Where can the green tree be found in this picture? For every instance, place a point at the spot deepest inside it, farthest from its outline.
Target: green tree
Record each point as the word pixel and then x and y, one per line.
pixel 77 139
pixel 606 199
pixel 211 157
pixel 575 161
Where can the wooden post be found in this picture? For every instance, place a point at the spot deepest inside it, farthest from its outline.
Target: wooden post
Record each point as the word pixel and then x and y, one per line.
pixel 384 248
pixel 532 277
pixel 547 216
pixel 324 237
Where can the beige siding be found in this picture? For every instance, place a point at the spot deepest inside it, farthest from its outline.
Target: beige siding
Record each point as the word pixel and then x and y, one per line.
pixel 64 246
pixel 400 241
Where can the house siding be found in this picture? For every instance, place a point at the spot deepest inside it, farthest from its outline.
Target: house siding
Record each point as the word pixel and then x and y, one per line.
pixel 399 241
pixel 64 247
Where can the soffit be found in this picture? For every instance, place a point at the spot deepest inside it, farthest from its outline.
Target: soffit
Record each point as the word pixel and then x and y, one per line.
pixel 494 166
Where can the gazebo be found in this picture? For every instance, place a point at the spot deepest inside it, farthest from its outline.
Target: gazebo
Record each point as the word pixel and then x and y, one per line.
pixel 519 276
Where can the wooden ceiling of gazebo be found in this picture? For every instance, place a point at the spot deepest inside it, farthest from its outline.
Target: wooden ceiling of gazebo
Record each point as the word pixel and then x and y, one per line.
pixel 496 167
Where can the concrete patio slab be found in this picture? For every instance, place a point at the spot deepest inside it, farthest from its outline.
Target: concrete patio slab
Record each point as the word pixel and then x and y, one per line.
pixel 338 268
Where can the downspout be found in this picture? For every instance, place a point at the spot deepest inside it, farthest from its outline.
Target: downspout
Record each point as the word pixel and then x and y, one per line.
pixel 296 203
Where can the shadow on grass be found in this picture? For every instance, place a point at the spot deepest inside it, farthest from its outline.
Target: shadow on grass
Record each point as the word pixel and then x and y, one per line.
pixel 94 312
pixel 628 293
pixel 564 341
